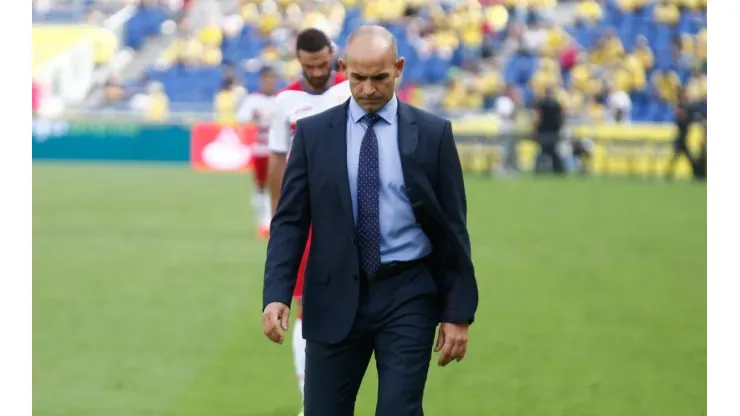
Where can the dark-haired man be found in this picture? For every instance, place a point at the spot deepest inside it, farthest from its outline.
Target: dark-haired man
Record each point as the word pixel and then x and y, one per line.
pixel 319 89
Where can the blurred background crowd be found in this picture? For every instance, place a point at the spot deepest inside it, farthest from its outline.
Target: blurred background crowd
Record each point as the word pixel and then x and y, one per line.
pixel 602 61
pixel 606 59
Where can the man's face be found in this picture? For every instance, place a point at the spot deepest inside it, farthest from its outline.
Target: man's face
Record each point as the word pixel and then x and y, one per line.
pixel 268 83
pixel 316 67
pixel 372 79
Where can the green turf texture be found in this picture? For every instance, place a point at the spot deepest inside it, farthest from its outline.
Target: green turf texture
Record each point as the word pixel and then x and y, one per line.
pixel 147 295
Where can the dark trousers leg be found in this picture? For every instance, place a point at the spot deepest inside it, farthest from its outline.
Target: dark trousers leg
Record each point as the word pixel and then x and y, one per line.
pixel 334 373
pixel 403 342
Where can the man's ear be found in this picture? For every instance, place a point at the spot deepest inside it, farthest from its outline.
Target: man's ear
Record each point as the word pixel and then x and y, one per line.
pixel 342 65
pixel 400 64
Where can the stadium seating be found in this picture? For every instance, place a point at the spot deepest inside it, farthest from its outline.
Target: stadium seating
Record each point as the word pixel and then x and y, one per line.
pixel 145 22
pixel 648 48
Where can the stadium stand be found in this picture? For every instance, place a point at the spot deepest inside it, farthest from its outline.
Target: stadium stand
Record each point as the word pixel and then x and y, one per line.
pixel 615 54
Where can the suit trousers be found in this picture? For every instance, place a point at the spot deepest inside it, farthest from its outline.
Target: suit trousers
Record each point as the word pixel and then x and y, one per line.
pixel 396 319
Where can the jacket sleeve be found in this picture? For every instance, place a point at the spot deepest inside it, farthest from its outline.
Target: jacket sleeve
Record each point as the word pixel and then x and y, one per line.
pixel 460 287
pixel 289 227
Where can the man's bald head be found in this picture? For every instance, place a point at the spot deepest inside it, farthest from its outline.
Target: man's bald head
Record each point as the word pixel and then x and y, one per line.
pixel 371 41
pixel 372 66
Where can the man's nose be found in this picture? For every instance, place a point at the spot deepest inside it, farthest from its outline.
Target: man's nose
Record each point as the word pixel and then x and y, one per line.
pixel 368 88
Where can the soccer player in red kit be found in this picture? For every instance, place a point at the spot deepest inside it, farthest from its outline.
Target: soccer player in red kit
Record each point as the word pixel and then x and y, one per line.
pixel 319 89
pixel 259 108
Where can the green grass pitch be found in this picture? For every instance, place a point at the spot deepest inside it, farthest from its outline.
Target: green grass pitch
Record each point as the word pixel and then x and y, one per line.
pixel 147 293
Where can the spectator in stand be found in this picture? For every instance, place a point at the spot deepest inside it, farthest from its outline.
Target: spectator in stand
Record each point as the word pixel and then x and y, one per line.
pixel 440 38
pixel 643 53
pixel 618 105
pixel 228 99
pixel 113 92
pixel 666 85
pixel 158 103
pixel 696 87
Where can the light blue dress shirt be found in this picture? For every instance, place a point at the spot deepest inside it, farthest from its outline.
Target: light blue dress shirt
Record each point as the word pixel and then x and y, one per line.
pixel 401 238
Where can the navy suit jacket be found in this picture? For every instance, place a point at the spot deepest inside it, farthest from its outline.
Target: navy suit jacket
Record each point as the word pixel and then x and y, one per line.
pixel 315 192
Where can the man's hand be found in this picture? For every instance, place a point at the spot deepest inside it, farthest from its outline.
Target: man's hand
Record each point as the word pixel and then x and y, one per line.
pixel 452 340
pixel 275 321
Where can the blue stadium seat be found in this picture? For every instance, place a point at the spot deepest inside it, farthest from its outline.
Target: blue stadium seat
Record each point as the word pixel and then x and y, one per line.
pixel 143 24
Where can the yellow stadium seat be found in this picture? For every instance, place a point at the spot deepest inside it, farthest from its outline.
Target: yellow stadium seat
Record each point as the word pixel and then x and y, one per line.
pixel 557 39
pixel 690 4
pixel 627 5
pixel 580 76
pixel 667 13
pixel 269 22
pixel 576 101
pixel 497 17
pixel 337 12
pixel 211 56
pixel 595 111
pixel 454 97
pixel 473 100
pixel 250 13
pixel 372 10
pixel 490 83
pixel 472 36
pixel 270 55
pixel 416 97
pixel 210 35
pixel 589 10
pixel 291 69
pixel 595 86
pixel 539 82
pixel 446 39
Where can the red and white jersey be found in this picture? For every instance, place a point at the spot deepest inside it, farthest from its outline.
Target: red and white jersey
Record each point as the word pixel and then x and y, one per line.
pixel 258 108
pixel 294 103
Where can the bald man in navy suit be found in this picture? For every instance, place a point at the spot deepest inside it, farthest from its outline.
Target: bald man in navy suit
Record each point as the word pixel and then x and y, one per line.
pixel 380 182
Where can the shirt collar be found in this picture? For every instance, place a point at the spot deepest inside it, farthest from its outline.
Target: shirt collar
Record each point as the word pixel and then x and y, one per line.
pixel 387 113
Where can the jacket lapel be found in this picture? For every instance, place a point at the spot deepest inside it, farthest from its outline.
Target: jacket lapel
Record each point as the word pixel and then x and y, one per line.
pixel 337 157
pixel 408 138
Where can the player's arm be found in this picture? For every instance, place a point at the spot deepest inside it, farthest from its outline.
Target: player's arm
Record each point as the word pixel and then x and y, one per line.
pixel 246 110
pixel 288 229
pixel 278 142
pixel 275 168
